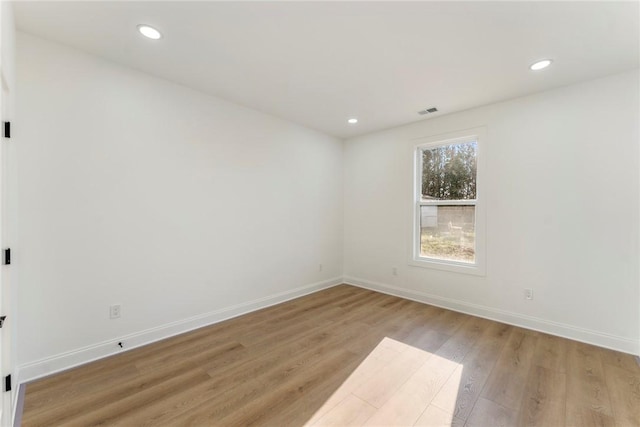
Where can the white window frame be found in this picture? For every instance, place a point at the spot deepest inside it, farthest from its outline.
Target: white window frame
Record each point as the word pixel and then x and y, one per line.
pixel 479 266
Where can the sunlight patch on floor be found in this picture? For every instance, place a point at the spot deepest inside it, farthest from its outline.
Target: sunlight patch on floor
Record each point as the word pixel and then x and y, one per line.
pixel 397 384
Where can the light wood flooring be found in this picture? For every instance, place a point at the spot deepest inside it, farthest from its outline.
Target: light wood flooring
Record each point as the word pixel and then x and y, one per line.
pixel 345 357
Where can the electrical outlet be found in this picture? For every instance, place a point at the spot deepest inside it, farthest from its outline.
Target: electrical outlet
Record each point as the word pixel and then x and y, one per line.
pixel 319 267
pixel 115 311
pixel 528 293
pixel 394 271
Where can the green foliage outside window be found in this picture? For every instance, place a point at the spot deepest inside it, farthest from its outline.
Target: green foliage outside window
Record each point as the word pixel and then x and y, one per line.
pixel 449 172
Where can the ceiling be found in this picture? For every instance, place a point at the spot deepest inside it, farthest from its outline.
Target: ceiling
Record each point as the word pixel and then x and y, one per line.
pixel 320 63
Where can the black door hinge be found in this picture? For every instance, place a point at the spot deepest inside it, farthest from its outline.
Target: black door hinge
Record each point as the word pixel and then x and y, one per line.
pixel 7 129
pixel 7 383
pixel 2 319
pixel 7 256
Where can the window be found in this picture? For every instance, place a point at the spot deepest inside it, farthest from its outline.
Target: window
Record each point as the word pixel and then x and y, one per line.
pixel 448 225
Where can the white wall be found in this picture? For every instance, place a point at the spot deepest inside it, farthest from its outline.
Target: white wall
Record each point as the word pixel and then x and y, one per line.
pixel 137 191
pixel 562 198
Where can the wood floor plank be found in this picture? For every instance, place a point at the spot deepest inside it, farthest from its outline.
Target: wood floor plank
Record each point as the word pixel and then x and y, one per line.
pixel 406 405
pixel 624 389
pixel 367 369
pixel 543 402
pixel 308 403
pixel 463 388
pixel 254 372
pixel 622 360
pixel 352 411
pixel 578 415
pixel 110 413
pixel 416 328
pixel 457 347
pixel 63 390
pixel 347 355
pixel 507 381
pixel 266 409
pixel 188 358
pixel 100 407
pixel 267 367
pixel 449 322
pixel 487 413
pixel 551 353
pixel 378 389
pixel 587 390
pixel 436 417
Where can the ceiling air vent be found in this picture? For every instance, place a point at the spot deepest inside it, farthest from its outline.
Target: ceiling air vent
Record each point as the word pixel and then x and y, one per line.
pixel 428 111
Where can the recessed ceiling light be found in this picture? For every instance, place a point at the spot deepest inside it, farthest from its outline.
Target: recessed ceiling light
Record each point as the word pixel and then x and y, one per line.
pixel 352 121
pixel 149 32
pixel 540 64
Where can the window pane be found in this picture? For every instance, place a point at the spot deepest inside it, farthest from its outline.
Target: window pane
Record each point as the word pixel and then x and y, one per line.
pixel 449 172
pixel 448 232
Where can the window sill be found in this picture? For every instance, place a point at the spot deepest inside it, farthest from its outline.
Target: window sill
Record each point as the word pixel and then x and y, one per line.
pixel 451 266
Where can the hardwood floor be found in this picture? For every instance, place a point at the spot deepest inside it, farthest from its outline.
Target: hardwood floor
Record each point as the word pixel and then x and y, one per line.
pixel 345 357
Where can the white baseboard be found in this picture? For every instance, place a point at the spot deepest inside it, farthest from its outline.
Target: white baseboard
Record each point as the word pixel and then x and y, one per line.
pixel 60 362
pixel 600 339
pixel 50 365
